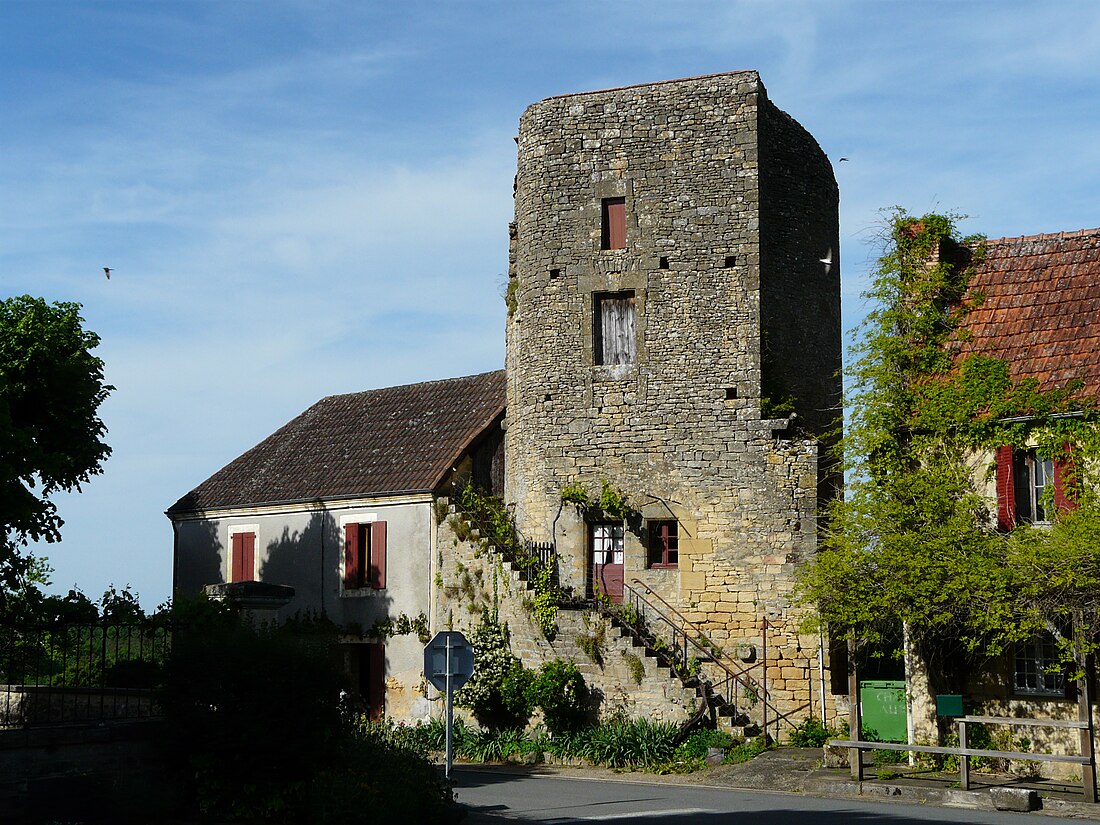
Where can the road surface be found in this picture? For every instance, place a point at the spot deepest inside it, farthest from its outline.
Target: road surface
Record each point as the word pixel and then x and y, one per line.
pixel 496 796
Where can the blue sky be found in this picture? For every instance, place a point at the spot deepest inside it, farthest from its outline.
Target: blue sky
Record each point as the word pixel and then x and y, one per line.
pixel 308 198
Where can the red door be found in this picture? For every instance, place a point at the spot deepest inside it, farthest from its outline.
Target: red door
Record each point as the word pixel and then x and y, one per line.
pixel 607 560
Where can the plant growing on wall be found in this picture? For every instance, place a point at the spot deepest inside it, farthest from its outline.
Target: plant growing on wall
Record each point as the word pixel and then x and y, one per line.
pixel 913 541
pixel 610 500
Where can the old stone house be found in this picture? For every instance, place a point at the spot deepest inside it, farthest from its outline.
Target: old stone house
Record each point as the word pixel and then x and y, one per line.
pixel 338 505
pixel 1038 313
pixel 673 337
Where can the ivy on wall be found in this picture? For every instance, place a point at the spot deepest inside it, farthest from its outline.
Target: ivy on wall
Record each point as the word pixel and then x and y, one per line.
pixel 913 540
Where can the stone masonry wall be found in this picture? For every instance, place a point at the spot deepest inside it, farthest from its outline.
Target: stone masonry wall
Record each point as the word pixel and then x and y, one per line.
pixel 473 579
pixel 680 429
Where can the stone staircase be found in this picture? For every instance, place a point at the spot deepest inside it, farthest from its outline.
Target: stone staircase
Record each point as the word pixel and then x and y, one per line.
pixel 631 674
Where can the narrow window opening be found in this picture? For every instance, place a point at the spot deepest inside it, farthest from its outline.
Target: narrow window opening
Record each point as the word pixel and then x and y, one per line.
pixel 731 393
pixel 554 273
pixel 664 544
pixel 613 230
pixel 731 260
pixel 663 262
pixel 614 328
pixel 546 397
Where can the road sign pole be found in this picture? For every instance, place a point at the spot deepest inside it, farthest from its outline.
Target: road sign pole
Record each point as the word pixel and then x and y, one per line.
pixel 450 717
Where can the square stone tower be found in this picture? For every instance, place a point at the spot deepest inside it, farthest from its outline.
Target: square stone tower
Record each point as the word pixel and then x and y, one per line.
pixel 674 335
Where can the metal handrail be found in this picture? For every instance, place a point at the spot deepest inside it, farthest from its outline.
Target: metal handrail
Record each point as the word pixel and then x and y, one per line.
pixel 538 554
pixel 681 641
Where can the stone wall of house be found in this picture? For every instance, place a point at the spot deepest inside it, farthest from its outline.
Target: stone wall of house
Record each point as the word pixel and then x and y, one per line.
pixel 731 208
pixel 473 579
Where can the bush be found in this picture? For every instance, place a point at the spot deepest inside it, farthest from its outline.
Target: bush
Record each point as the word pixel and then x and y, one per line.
pixel 560 693
pixel 497 693
pixel 254 726
pixel 811 734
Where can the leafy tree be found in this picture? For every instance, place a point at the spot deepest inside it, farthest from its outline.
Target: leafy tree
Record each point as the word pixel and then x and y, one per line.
pixel 51 387
pixel 913 541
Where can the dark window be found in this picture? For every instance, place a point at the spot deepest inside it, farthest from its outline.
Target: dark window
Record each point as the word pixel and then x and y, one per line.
pixel 614 328
pixel 1038 667
pixel 243 561
pixel 1033 474
pixel 664 544
pixel 613 230
pixel 365 555
pixel 372 679
pixel 1031 487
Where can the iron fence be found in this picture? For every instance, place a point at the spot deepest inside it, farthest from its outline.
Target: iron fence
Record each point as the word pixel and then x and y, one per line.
pixel 66 673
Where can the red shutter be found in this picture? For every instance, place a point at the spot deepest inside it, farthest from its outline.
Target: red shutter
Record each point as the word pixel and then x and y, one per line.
pixel 351 556
pixel 236 563
pixel 248 556
pixel 376 680
pixel 614 223
pixel 1006 489
pixel 1065 497
pixel 378 554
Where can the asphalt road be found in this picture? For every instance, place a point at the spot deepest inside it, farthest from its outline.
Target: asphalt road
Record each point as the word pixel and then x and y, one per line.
pixel 497 796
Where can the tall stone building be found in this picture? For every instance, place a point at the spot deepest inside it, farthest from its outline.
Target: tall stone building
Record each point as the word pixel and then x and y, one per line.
pixel 674 335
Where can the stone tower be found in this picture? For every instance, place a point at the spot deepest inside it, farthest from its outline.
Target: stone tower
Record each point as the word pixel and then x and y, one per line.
pixel 674 333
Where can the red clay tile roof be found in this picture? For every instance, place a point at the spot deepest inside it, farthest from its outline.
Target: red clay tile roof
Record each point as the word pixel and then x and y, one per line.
pixel 1041 311
pixel 394 440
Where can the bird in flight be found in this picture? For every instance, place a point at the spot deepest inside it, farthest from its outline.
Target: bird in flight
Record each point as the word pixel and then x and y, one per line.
pixel 107 272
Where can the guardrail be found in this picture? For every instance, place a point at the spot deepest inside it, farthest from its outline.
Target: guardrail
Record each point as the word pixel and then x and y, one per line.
pixel 1088 776
pixel 685 637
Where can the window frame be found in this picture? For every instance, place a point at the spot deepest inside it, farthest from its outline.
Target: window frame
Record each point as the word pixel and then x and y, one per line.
pixel 662 546
pixel 612 224
pixel 1032 474
pixel 1032 660
pixel 600 354
pixel 363 561
pixel 235 530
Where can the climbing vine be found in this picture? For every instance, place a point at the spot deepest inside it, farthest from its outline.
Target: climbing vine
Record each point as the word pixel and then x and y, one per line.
pixel 609 500
pixel 401 625
pixel 914 541
pixel 496 526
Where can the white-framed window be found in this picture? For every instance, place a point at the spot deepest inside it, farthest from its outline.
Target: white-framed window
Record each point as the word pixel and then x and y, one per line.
pixel 363 565
pixel 242 561
pixel 1037 669
pixel 1033 475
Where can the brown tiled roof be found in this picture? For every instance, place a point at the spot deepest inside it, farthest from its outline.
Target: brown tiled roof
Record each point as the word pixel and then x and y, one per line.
pixel 394 440
pixel 1041 308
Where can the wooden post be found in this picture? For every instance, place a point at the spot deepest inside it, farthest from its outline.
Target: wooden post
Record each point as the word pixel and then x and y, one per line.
pixel 964 760
pixel 1084 714
pixel 855 716
pixel 764 674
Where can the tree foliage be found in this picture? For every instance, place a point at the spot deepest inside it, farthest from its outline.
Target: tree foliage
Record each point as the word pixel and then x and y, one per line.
pixel 51 387
pixel 914 541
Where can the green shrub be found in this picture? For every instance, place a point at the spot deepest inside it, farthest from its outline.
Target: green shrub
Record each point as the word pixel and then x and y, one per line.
pixel 744 752
pixel 560 692
pixel 700 742
pixel 621 743
pixel 811 734
pixel 253 724
pixel 496 694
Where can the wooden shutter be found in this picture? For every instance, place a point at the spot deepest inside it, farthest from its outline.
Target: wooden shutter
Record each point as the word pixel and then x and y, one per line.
pixel 376 679
pixel 351 556
pixel 1065 497
pixel 617 329
pixel 236 564
pixel 1006 489
pixel 613 235
pixel 378 554
pixel 248 556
